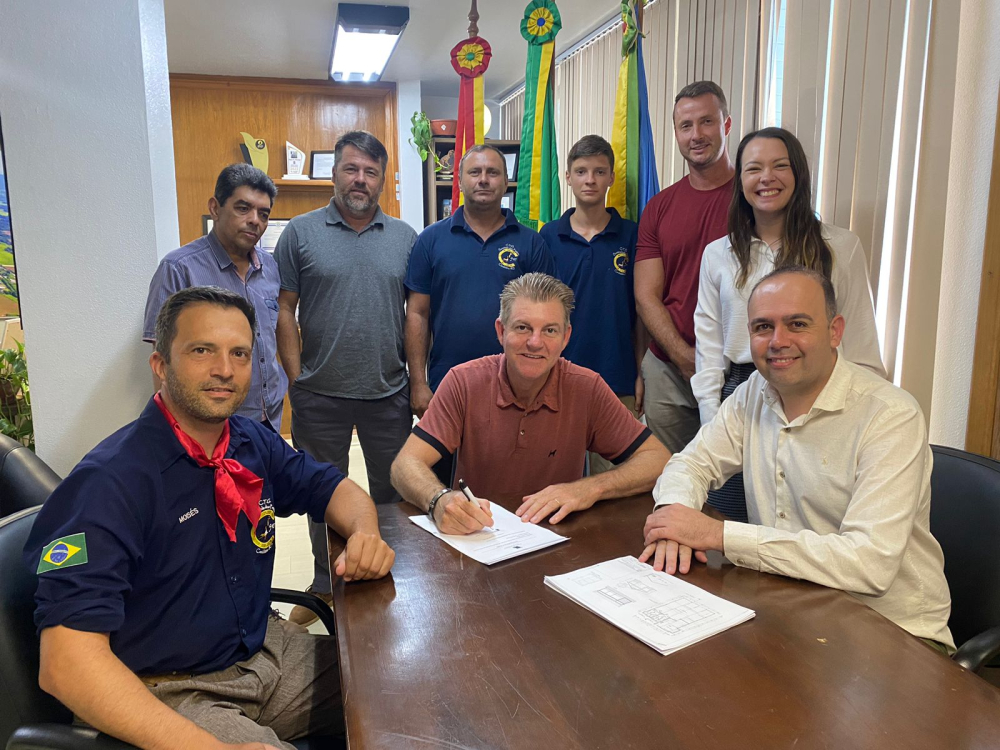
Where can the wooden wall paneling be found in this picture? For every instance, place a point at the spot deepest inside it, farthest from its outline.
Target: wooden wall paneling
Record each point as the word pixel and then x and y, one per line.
pixel 391 189
pixel 210 111
pixel 983 431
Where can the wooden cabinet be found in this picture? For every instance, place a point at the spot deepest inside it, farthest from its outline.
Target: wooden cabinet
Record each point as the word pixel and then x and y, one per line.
pixel 437 189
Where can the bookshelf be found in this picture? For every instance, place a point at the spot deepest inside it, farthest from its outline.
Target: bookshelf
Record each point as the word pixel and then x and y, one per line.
pixel 438 190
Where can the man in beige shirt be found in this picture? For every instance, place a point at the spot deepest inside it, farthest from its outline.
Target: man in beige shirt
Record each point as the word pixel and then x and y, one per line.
pixel 836 464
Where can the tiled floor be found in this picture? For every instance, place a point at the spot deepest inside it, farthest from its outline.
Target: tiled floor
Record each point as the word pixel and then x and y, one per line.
pixel 293 561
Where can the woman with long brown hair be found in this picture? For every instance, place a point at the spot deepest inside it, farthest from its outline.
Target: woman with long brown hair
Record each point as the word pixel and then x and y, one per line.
pixel 771 225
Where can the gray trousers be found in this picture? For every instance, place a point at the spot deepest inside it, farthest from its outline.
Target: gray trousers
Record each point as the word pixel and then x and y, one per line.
pixel 288 689
pixel 322 426
pixel 670 406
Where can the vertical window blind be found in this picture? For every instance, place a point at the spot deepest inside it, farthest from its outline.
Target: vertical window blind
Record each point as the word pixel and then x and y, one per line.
pixel 686 40
pixel 848 77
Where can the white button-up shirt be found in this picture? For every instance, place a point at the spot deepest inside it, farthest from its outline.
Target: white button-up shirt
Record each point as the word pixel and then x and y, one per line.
pixel 839 496
pixel 720 320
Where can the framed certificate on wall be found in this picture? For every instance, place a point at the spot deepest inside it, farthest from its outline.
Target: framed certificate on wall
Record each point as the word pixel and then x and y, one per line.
pixel 321 165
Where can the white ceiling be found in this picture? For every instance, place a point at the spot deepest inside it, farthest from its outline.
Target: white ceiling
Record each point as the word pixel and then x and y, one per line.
pixel 293 38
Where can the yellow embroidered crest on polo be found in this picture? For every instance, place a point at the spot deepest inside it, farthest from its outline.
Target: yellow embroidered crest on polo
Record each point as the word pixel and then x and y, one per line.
pixel 64 552
pixel 620 261
pixel 507 256
pixel 263 532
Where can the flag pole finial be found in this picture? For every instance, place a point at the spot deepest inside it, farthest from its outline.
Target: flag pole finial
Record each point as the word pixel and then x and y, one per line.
pixel 473 20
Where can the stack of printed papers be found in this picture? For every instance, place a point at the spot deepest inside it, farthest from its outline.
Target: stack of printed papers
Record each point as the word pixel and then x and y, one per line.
pixel 661 610
pixel 509 537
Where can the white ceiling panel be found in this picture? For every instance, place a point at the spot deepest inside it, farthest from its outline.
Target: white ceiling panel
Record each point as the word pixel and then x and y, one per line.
pixel 293 39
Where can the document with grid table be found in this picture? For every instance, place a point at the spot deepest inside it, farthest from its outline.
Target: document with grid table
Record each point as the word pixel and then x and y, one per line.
pixel 663 611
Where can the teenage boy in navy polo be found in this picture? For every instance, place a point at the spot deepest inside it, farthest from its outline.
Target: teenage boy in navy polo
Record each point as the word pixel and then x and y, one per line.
pixel 593 248
pixel 458 267
pixel 154 558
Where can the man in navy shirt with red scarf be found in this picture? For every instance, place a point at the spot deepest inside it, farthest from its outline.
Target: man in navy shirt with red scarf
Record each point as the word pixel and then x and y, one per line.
pixel 154 558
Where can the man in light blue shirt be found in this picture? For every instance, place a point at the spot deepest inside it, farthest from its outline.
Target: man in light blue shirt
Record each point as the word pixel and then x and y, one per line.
pixel 227 257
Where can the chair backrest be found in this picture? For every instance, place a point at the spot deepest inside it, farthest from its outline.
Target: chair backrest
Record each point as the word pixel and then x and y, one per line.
pixel 21 700
pixel 25 479
pixel 965 519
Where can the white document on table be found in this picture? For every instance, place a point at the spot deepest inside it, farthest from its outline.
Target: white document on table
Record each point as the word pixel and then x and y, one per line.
pixel 661 610
pixel 509 537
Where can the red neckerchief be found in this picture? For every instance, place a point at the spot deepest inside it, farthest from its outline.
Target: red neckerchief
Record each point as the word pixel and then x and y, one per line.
pixel 236 487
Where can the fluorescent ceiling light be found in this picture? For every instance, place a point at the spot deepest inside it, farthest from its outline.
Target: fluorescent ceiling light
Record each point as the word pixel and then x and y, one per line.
pixel 365 38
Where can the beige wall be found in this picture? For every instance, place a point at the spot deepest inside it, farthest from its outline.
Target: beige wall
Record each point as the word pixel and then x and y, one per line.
pixel 86 126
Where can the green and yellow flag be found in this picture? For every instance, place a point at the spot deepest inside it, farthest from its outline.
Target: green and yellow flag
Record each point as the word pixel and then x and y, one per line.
pixel 538 164
pixel 636 179
pixel 65 552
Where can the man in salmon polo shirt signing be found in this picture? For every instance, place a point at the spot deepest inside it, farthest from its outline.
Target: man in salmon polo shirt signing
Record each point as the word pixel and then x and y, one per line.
pixel 676 225
pixel 521 423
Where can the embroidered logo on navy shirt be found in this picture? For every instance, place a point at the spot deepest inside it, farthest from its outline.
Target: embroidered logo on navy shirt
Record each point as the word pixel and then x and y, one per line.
pixel 264 532
pixel 507 257
pixel 620 261
pixel 188 516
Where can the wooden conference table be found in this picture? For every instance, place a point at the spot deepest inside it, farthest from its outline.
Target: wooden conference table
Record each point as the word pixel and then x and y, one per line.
pixel 448 653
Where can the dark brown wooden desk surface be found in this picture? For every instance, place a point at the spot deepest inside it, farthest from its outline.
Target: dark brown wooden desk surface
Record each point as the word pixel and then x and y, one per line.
pixel 448 653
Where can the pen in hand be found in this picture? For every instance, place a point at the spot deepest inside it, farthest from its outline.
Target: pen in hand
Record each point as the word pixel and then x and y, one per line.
pixel 470 497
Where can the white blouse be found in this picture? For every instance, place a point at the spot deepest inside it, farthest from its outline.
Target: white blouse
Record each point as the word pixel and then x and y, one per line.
pixel 720 320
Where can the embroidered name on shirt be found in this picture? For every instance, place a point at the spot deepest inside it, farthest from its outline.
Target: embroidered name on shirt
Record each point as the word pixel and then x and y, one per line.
pixel 188 516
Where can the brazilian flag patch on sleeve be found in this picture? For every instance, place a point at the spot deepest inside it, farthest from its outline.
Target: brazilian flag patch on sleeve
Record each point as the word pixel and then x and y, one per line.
pixel 64 553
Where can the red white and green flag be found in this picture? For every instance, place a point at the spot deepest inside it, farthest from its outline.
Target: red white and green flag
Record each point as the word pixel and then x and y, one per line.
pixel 470 58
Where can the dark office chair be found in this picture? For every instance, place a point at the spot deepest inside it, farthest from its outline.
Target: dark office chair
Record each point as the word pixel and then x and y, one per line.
pixel 965 519
pixel 34 720
pixel 25 479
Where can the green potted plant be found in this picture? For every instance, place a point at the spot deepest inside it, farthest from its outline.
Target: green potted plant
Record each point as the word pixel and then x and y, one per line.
pixel 422 138
pixel 15 397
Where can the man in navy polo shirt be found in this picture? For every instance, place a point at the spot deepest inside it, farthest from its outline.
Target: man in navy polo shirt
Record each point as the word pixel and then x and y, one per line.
pixel 593 248
pixel 458 267
pixel 154 557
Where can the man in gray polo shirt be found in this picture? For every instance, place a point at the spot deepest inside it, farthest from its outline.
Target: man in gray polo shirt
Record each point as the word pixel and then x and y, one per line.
pixel 343 268
pixel 226 257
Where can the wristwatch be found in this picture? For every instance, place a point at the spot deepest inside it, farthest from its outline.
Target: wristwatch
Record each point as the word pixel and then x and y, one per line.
pixel 434 501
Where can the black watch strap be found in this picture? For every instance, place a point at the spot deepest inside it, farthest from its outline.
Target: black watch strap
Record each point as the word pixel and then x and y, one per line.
pixel 434 501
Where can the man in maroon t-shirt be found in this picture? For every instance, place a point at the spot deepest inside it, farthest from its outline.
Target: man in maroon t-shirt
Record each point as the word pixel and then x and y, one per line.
pixel 673 231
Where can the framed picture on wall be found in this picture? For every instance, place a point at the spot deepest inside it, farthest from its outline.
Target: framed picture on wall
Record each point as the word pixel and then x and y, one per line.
pixel 267 242
pixel 321 165
pixel 10 301
pixel 508 201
